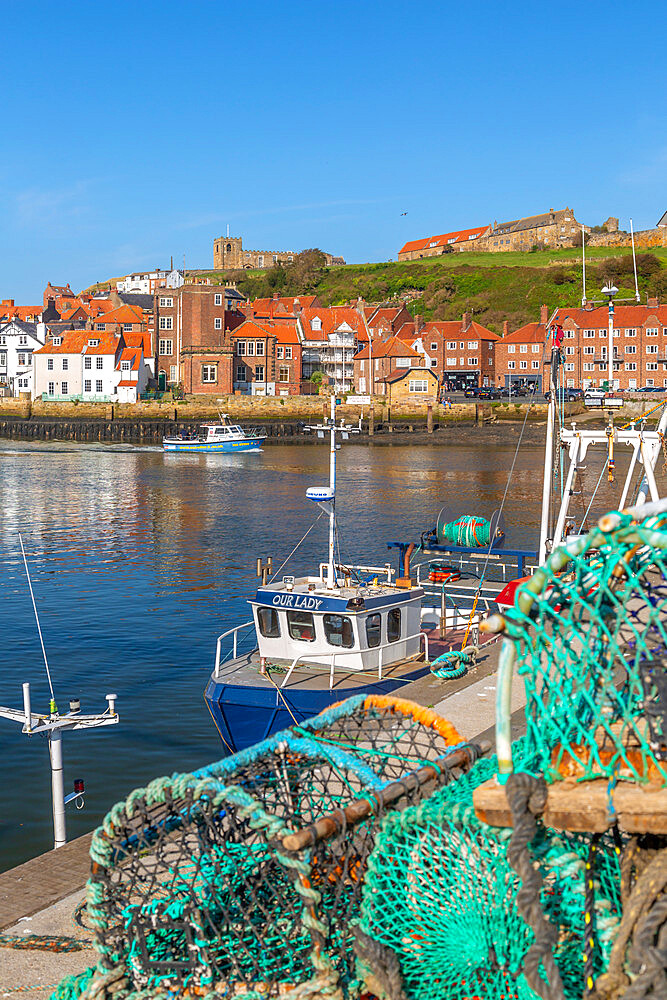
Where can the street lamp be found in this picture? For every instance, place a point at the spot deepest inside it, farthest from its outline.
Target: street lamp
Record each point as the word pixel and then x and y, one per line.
pixel 610 290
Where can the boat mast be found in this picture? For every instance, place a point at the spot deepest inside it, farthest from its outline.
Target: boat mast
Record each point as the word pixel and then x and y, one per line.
pixel 331 571
pixel 548 455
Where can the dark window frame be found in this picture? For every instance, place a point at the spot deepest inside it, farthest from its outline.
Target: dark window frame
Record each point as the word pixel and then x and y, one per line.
pixel 371 618
pixel 307 621
pixel 391 635
pixel 344 620
pixel 271 632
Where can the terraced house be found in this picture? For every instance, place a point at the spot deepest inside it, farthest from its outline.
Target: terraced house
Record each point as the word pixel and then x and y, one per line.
pixel 89 365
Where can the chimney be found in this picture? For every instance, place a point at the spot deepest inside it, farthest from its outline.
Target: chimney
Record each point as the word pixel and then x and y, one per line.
pixel 419 322
pixel 276 296
pixel 506 328
pixel 652 303
pixel 297 309
pixel 465 322
pixel 544 315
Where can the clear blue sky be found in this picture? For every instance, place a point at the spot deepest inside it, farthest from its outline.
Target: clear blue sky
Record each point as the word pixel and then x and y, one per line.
pixel 133 131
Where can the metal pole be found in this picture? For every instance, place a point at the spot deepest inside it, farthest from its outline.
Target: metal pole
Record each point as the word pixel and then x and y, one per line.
pixel 634 261
pixel 644 487
pixel 548 464
pixel 57 787
pixel 27 708
pixel 583 265
pixel 610 359
pixel 331 577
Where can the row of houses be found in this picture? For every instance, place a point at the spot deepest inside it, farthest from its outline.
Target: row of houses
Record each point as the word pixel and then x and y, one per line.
pixel 210 340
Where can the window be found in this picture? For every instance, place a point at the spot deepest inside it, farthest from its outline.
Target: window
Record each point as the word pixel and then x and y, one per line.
pixel 473 345
pixel 49 364
pixel 240 373
pixel 240 348
pixel 250 348
pixel 569 350
pixel 511 365
pixel 451 345
pixel 168 303
pixel 88 363
pixel 3 358
pixel 165 347
pixel 373 631
pixel 92 343
pixel 125 366
pixel 569 334
pixel 434 347
pixel 127 327
pixel 98 385
pixel 511 349
pixel 259 349
pixel 630 332
pixel 65 363
pixel 630 366
pixel 462 344
pixel 172 373
pixel 283 375
pixel 651 348
pixel 23 340
pixel 523 348
pixel 589 367
pixel 569 368
pixel 649 381
pixel 651 331
pixel 631 349
pixel 651 366
pixel 589 334
pixel 259 373
pixel 523 365
pixel 99 364
pixel 288 354
pixel 589 349
pixel 52 388
pixel 63 388
pixel 209 373
pixel 471 361
pixel 418 385
pixel 21 360
pixel 87 385
pixel 217 323
pixel 338 630
pixel 280 353
pixel 166 322
pixel 218 302
pixel 269 625
pixel 535 365
pixel 394 625
pixel 301 625
pixel 535 348
pixel 451 362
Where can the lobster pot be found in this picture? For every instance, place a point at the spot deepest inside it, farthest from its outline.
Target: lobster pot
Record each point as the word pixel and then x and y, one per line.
pixel 439 913
pixel 590 634
pixel 197 886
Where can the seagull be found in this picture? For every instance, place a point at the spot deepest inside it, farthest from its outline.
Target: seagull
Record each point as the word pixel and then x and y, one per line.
pixel 404 213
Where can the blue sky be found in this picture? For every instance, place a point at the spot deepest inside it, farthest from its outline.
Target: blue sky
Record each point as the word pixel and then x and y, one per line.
pixel 134 131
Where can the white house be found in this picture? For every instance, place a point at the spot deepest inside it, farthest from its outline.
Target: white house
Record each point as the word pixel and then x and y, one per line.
pixel 18 340
pixel 88 365
pixel 145 282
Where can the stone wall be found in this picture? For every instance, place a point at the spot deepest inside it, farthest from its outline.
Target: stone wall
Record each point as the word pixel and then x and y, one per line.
pixel 644 239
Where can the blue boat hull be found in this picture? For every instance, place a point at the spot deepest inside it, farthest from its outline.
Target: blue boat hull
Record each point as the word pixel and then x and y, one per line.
pixel 245 715
pixel 249 444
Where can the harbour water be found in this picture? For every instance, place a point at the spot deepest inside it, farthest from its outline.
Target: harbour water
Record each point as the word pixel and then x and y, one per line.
pixel 140 560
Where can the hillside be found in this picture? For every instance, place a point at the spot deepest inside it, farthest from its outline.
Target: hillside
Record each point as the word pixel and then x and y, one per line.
pixel 493 287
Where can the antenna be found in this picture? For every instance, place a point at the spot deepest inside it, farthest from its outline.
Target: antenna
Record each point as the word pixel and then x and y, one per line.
pixel 583 265
pixel 634 261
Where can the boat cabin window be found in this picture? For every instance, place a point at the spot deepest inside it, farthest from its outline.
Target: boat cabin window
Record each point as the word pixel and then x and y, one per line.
pixel 373 630
pixel 269 625
pixel 394 625
pixel 301 625
pixel 338 630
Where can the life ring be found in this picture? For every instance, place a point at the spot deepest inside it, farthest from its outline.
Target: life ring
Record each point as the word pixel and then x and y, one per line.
pixel 440 572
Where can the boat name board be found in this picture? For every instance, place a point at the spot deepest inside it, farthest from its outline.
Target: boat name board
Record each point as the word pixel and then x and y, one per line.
pixel 299 602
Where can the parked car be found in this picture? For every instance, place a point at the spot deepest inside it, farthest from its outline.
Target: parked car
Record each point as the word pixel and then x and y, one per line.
pixel 566 395
pixel 594 395
pixel 471 391
pixel 489 393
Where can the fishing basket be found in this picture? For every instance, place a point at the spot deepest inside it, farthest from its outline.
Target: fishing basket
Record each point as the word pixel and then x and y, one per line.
pixel 243 878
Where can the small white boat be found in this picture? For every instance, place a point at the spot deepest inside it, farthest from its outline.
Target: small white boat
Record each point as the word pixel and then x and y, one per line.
pixel 221 436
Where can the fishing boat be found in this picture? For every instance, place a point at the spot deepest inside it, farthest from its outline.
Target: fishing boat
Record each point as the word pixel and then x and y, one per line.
pixel 317 639
pixel 222 436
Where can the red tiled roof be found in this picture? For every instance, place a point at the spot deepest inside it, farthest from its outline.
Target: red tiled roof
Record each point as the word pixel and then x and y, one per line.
pixel 624 316
pixel 284 333
pixel 332 318
pixel 25 313
pixel 398 373
pixel 283 305
pixel 445 239
pixel 128 383
pixel 531 333
pixel 76 342
pixel 132 354
pixel 391 348
pixel 124 314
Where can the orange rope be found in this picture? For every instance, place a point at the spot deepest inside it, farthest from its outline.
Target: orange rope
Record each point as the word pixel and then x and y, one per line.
pixel 425 716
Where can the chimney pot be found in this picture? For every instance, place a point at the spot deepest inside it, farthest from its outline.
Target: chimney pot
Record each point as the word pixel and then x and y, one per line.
pixel 506 328
pixel 544 314
pixel 465 321
pixel 652 303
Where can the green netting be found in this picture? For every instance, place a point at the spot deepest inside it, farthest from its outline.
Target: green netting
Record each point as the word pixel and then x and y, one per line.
pixel 196 888
pixel 440 896
pixel 590 638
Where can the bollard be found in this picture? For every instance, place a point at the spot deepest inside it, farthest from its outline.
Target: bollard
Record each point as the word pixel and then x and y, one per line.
pixel 371 422
pixel 429 418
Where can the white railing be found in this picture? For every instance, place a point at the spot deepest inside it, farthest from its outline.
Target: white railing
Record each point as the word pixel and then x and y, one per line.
pixel 323 659
pixel 235 644
pixel 385 570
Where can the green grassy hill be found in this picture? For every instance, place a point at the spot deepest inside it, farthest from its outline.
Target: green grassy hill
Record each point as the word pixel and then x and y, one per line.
pixel 493 287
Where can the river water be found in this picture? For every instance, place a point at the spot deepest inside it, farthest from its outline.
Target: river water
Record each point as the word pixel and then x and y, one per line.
pixel 139 560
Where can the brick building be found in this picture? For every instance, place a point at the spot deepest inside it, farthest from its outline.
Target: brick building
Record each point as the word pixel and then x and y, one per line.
pixel 267 358
pixel 522 356
pixel 228 253
pixel 462 354
pixel 379 360
pixel 192 325
pixel 331 338
pixel 434 246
